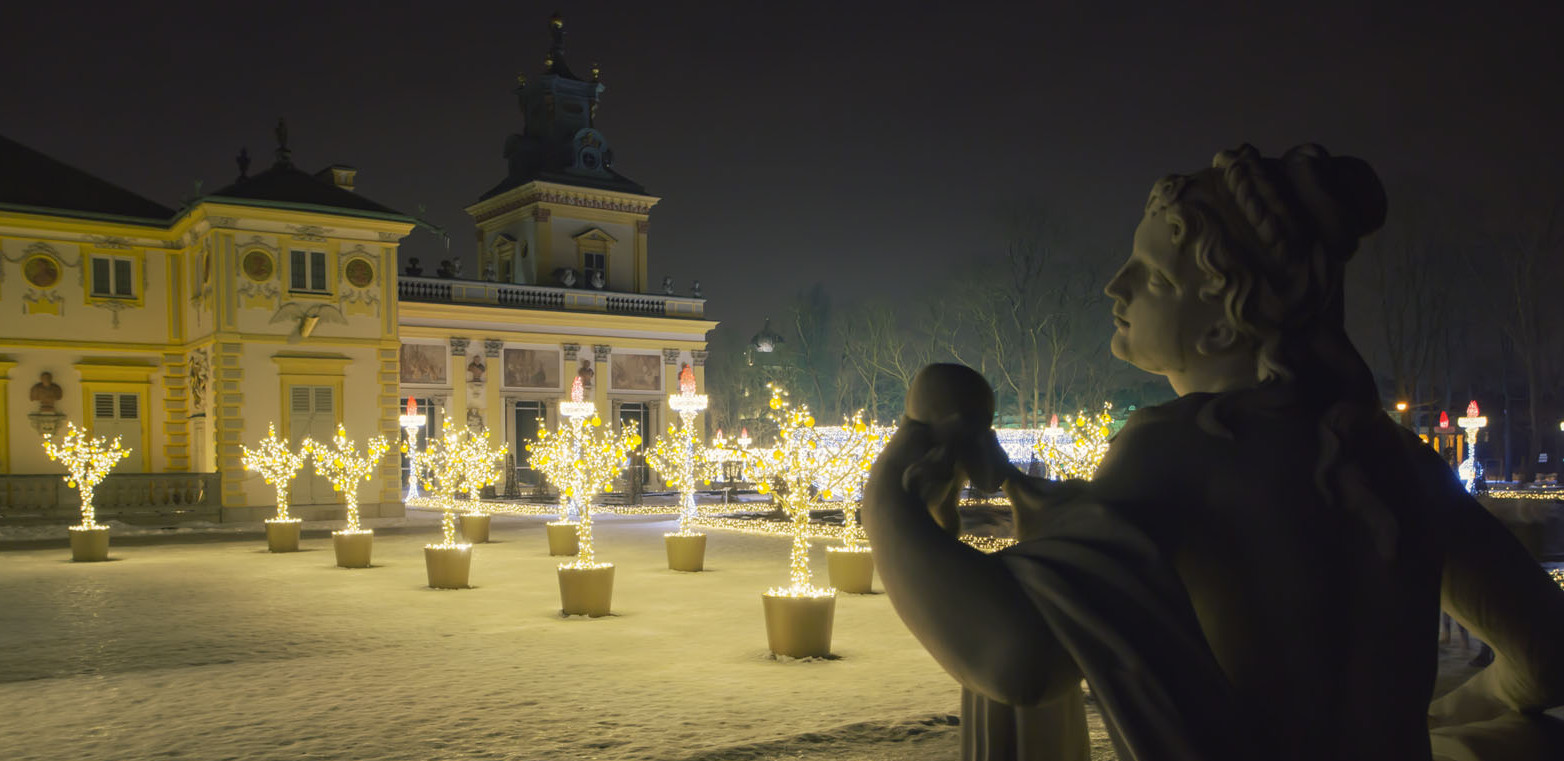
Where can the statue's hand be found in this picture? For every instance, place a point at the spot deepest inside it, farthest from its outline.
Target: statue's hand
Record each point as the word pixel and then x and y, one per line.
pixel 1030 499
pixel 916 462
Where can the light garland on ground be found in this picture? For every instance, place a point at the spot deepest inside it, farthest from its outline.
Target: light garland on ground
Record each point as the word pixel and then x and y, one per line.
pixel 89 460
pixel 345 468
pixel 277 464
pixel 679 457
pixel 581 459
pixel 1558 576
pixel 1078 452
pixel 808 473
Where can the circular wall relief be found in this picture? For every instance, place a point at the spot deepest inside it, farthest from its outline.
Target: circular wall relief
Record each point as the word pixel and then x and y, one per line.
pixel 41 271
pixel 360 273
pixel 257 266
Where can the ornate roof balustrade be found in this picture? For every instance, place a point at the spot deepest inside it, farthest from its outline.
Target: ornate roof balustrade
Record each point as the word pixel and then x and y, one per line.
pixel 445 290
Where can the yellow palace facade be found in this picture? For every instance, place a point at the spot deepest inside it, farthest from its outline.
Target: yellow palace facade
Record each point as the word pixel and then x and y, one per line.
pixel 277 300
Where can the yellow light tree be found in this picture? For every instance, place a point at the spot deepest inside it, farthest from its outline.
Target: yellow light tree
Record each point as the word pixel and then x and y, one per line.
pixel 581 458
pixel 679 457
pixel 807 469
pixel 844 464
pixel 89 460
pixel 442 461
pixel 1076 452
pixel 277 464
pixel 346 468
pixel 481 467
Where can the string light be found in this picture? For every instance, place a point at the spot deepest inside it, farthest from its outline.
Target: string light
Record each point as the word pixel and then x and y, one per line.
pixel 581 459
pixel 481 467
pixel 679 457
pixel 345 468
pixel 808 469
pixel 277 464
pixel 1077 451
pixel 89 460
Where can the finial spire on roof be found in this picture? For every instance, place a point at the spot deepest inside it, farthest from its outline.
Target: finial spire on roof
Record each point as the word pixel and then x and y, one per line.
pixel 284 156
pixel 555 62
pixel 243 160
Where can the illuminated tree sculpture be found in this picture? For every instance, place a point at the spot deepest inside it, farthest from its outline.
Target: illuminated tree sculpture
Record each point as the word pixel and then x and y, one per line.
pixel 482 465
pixel 1077 451
pixel 844 465
pixel 581 459
pixel 89 460
pixel 277 464
pixel 679 457
pixel 442 461
pixel 807 469
pixel 345 467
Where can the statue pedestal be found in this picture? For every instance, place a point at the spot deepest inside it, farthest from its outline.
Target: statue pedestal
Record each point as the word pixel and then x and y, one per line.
pixel 46 423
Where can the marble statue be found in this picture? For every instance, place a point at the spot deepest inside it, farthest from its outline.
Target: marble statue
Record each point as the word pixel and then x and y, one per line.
pixel 1258 567
pixel 45 392
pixel 667 285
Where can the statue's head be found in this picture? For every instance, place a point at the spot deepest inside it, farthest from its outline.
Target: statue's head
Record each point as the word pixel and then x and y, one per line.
pixel 46 377
pixel 1237 270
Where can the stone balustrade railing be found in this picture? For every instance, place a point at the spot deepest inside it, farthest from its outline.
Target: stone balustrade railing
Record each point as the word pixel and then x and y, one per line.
pixel 443 290
pixel 127 497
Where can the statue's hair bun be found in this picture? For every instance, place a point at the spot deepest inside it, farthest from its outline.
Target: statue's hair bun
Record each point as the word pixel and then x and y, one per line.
pixel 1342 194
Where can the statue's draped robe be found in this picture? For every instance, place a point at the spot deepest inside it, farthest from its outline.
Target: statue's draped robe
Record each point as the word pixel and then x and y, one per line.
pixel 1221 608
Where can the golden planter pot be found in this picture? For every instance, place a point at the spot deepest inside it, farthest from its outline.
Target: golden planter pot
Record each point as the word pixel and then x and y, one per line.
pixel 851 570
pixel 562 538
pixel 282 534
pixel 799 627
pixel 353 547
pixel 89 545
pixel 686 552
pixel 586 591
pixel 448 567
pixel 475 528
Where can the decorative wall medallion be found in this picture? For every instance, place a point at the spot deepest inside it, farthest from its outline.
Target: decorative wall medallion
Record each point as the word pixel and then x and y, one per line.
pixel 41 271
pixel 314 233
pixel 258 266
pixel 359 272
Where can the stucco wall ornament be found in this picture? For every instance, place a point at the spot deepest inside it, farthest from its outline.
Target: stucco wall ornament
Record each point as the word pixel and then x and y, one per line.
pixel 312 233
pixel 45 393
pixel 200 374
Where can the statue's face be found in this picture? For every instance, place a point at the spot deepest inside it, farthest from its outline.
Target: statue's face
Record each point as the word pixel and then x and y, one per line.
pixel 1158 314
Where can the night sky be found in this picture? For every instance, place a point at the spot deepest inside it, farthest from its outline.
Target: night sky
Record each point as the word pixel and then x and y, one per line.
pixel 865 146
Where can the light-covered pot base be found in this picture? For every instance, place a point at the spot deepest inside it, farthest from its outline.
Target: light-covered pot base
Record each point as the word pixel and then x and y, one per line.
pixel 353 547
pixel 799 627
pixel 475 528
pixel 282 534
pixel 448 567
pixel 686 552
pixel 562 538
pixel 852 570
pixel 586 591
pixel 89 545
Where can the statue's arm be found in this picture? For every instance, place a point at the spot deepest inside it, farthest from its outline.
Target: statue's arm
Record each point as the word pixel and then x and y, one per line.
pixel 1492 586
pixel 963 605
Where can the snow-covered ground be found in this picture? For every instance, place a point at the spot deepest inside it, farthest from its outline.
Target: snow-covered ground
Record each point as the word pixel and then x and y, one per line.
pixel 208 647
pixel 201 645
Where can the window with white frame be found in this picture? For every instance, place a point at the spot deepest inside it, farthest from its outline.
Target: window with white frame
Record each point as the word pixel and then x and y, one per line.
pixel 308 271
pixel 113 277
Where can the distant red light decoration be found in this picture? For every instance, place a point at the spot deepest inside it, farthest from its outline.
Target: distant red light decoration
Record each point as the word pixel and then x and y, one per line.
pixel 687 380
pixel 576 391
pixel 412 406
pixel 1444 419
pixel 1471 409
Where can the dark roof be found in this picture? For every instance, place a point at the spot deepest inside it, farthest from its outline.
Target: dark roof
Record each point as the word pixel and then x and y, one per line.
pixel 288 186
pixel 614 181
pixel 29 178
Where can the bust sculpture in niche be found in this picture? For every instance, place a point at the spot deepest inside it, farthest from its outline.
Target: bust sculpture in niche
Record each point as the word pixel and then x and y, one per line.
pixel 1256 570
pixel 45 392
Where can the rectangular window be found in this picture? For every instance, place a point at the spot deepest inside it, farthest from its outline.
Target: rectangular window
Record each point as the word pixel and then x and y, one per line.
pixel 112 277
pixel 595 262
pixel 308 271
